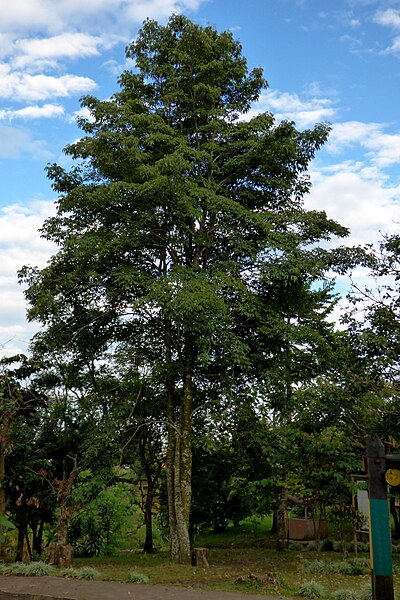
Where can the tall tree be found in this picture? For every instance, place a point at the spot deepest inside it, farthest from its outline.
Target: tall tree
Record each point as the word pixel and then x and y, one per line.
pixel 164 225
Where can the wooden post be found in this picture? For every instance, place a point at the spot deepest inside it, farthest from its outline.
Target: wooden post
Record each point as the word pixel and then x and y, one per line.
pixel 379 523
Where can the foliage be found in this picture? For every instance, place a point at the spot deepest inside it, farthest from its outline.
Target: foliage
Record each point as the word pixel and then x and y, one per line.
pixel 93 530
pixel 5 526
pixel 352 566
pixel 344 520
pixel 84 573
pixel 344 594
pixel 184 244
pixel 32 569
pixel 311 589
pixel 216 497
pixel 135 577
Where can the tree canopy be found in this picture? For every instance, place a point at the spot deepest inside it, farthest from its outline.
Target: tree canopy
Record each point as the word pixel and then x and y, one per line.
pixel 183 238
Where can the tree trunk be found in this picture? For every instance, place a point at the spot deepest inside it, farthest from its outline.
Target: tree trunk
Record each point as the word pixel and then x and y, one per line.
pixel 28 544
pixel 148 515
pixel 281 530
pixel 274 526
pixel 37 538
pixel 20 544
pixel 63 553
pixel 178 484
pixel 179 465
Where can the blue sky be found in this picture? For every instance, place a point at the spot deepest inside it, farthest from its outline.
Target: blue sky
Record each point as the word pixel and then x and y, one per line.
pixel 325 60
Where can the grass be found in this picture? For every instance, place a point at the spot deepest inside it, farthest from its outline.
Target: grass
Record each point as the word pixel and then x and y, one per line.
pixel 244 559
pixel 230 565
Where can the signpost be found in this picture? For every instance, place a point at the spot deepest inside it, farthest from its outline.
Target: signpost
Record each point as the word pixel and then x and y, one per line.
pixel 382 469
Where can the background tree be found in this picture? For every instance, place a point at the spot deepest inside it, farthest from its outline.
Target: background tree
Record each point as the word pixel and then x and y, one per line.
pixel 166 222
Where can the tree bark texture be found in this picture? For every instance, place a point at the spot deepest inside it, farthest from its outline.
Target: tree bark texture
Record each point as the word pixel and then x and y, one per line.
pixel 62 552
pixel 20 543
pixel 148 513
pixel 179 466
pixel 281 540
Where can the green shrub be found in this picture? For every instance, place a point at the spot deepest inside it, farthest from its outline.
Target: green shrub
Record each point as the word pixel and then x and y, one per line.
pixel 33 569
pixel 337 546
pixel 135 577
pixel 366 593
pixel 83 573
pixel 296 546
pixel 318 566
pixel 4 569
pixel 311 590
pixel 327 545
pixel 312 546
pixel 350 567
pixel 343 594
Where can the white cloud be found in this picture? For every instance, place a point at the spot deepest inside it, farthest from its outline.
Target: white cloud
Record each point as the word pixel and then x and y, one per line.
pixel 383 149
pixel 54 16
pixel 355 199
pixel 82 113
pixel 47 111
pixel 20 243
pixel 389 18
pixel 71 45
pixel 22 86
pixel 284 105
pixel 394 48
pixel 42 53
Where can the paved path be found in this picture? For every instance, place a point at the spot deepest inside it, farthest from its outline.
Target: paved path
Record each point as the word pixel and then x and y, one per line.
pixel 57 588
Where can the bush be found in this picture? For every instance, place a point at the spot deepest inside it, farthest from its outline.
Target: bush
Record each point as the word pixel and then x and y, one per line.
pixel 343 594
pixel 4 569
pixel 312 590
pixel 327 545
pixel 366 593
pixel 135 577
pixel 318 566
pixel 296 546
pixel 351 567
pixel 33 569
pixel 312 546
pixel 363 546
pixel 337 546
pixel 83 573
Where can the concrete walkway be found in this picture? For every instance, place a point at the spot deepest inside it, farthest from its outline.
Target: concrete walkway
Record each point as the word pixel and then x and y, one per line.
pixel 57 588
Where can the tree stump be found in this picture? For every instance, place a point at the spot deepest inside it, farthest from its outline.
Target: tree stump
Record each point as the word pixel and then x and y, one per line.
pixel 199 557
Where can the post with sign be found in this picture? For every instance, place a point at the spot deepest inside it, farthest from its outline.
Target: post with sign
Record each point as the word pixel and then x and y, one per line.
pixel 379 523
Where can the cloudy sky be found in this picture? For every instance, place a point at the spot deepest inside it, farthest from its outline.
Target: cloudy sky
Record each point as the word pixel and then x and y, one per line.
pixel 324 61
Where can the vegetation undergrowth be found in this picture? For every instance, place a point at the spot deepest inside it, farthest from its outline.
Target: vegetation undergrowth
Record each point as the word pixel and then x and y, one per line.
pixel 245 559
pixel 241 559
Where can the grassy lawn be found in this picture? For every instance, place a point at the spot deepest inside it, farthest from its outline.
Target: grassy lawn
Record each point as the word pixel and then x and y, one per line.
pixel 247 554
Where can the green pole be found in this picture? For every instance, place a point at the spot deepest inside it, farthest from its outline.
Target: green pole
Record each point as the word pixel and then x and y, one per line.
pixel 379 523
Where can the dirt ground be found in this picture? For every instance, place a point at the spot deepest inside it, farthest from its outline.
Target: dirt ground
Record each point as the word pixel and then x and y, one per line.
pixel 57 588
